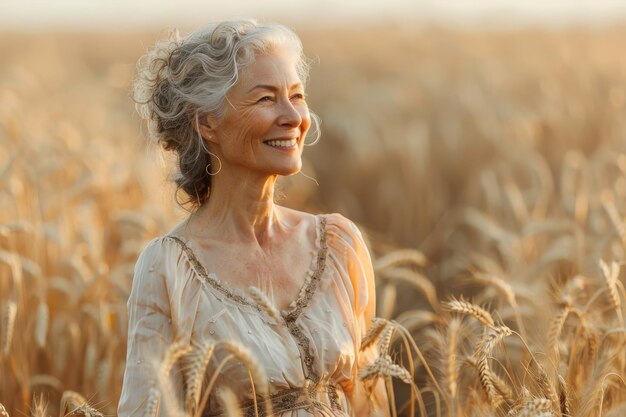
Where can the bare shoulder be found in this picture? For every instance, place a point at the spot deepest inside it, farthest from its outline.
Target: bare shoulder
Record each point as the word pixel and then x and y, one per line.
pixel 296 217
pixel 335 219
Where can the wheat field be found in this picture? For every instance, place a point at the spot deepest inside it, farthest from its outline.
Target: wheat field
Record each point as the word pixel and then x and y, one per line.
pixel 486 168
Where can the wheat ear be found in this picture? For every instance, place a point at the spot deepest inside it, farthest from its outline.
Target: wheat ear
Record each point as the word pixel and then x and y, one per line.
pixel 484 348
pixel 611 275
pixel 378 325
pixel 537 407
pixel 451 365
pixel 554 335
pixel 196 367
pixel 547 387
pixel 153 403
pixel 383 366
pixel 40 407
pixel 505 289
pixel 70 400
pixel 8 324
pixel 174 352
pixel 264 302
pixel 465 307
pixel 564 397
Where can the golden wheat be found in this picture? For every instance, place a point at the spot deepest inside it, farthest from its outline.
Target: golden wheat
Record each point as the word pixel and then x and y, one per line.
pixel 520 225
pixel 465 307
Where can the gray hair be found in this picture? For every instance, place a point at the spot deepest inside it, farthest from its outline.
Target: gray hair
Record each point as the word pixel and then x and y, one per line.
pixel 181 79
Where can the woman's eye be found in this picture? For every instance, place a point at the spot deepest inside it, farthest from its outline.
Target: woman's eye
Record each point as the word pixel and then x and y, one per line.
pixel 264 98
pixel 299 96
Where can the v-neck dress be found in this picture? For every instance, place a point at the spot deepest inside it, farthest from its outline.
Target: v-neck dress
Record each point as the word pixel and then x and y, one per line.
pixel 310 353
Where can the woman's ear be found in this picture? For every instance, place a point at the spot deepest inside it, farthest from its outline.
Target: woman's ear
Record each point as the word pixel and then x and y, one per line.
pixel 206 128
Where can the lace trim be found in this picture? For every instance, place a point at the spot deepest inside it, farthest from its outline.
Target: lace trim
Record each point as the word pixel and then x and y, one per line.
pixel 290 317
pixel 304 296
pixel 199 268
pixel 289 399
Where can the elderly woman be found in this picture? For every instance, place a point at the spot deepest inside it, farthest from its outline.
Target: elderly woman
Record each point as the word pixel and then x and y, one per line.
pixel 293 290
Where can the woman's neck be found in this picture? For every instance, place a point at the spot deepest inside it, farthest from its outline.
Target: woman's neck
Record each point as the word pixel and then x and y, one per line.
pixel 239 208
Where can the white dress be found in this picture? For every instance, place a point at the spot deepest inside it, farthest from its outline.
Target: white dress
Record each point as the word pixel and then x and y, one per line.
pixel 310 354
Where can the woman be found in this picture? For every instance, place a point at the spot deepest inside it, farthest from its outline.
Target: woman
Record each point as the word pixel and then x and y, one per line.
pixel 229 102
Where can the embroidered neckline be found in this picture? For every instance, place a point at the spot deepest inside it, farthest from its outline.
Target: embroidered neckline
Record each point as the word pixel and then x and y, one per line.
pixel 291 314
pixel 305 294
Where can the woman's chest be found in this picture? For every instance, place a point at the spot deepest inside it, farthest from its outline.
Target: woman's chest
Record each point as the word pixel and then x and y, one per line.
pixel 317 344
pixel 280 275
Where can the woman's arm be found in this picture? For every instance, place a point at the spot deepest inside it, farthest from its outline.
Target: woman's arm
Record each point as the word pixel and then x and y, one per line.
pixel 376 403
pixel 150 333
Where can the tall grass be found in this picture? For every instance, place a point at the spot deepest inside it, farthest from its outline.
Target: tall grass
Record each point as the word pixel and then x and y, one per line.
pixel 489 170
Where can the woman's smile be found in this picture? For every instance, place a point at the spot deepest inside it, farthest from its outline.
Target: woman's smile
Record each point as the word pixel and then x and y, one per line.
pixel 283 144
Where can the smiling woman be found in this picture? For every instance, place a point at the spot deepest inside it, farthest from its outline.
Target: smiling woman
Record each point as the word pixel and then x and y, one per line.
pixel 244 287
pixel 264 126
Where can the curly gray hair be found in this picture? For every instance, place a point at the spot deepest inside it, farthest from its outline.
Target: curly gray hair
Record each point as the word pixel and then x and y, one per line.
pixel 180 80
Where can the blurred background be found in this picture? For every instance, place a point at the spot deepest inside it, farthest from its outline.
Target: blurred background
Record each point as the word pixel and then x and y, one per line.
pixel 485 136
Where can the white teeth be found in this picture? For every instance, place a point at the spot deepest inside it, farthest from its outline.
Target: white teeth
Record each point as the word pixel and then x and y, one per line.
pixel 282 143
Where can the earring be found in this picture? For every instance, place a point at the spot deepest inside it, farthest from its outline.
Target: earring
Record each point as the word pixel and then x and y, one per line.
pixel 317 139
pixel 318 133
pixel 206 168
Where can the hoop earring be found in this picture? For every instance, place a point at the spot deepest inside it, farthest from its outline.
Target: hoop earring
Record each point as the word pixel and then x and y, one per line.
pixel 206 168
pixel 317 139
pixel 203 145
pixel 316 121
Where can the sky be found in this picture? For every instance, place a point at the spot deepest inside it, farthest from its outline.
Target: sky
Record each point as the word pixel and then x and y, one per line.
pixel 140 14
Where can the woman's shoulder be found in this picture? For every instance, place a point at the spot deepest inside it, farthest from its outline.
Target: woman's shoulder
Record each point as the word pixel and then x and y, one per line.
pixel 160 252
pixel 336 223
pixel 345 229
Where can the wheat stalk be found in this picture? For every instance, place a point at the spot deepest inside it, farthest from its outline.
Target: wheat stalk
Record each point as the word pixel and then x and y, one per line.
pixel 41 324
pixel 609 206
pixel 400 257
pixel 417 280
pixel 250 362
pixel 230 403
pixel 387 301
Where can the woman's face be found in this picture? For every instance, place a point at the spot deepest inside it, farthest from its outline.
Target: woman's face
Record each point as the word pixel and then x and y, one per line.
pixel 266 118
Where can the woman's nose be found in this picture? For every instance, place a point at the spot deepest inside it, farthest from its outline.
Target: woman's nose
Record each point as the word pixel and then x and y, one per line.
pixel 289 116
